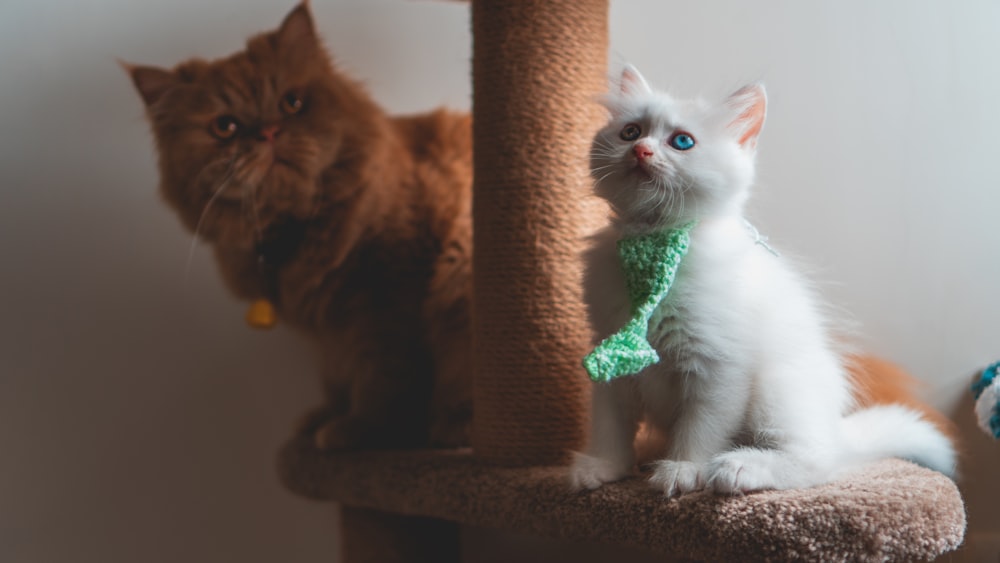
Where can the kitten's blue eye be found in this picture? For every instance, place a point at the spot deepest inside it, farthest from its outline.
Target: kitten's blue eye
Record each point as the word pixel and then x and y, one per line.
pixel 682 141
pixel 630 132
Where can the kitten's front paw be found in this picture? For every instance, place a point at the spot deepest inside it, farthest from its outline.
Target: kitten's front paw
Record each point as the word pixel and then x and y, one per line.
pixel 589 472
pixel 677 477
pixel 738 472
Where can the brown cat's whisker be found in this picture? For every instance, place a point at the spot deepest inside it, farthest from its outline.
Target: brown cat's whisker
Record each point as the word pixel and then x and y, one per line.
pixel 204 212
pixel 251 194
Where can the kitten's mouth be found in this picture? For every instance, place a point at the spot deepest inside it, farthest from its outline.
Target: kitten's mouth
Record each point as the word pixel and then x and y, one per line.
pixel 643 170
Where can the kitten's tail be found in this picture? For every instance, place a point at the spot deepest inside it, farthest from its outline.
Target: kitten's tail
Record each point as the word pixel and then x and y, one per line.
pixel 898 431
pixel 892 422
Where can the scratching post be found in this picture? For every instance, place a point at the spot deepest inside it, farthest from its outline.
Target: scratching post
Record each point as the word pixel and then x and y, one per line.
pixel 538 66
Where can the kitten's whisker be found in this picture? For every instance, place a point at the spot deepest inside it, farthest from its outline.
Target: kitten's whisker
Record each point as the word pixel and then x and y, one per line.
pixel 653 199
pixel 609 165
pixel 653 193
pixel 602 143
pixel 666 202
pixel 600 168
pixel 605 177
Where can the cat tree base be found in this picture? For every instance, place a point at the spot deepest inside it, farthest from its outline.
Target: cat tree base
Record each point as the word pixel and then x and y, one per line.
pixel 891 510
pixel 375 536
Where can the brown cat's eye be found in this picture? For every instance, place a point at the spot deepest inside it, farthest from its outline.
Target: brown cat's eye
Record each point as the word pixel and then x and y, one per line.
pixel 225 127
pixel 291 103
pixel 630 132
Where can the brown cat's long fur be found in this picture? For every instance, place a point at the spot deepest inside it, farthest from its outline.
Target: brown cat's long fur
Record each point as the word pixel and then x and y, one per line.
pixel 353 223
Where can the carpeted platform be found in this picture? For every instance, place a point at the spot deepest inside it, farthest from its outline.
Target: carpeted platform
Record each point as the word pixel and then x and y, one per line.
pixel 892 510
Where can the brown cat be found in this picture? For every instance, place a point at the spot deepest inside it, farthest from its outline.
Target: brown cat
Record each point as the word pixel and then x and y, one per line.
pixel 354 224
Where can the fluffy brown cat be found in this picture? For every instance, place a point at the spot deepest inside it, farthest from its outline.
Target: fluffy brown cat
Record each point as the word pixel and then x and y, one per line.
pixel 354 224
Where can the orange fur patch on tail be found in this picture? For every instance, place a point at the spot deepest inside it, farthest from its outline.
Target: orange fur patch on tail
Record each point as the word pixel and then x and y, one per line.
pixel 878 382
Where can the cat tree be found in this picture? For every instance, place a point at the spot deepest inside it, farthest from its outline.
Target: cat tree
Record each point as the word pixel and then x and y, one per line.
pixel 537 67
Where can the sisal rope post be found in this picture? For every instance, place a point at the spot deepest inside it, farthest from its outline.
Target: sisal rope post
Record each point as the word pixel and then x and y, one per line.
pixel 538 67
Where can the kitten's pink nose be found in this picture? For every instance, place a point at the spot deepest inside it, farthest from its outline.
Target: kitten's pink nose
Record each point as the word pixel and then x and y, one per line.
pixel 268 133
pixel 642 152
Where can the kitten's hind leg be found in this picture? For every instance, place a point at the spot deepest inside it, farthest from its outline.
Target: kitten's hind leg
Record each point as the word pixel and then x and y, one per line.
pixel 610 454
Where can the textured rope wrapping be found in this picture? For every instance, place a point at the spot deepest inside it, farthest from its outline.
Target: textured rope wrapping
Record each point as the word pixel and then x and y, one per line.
pixel 650 263
pixel 538 66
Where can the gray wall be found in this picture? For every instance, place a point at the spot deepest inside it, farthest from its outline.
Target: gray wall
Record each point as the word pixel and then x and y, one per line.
pixel 139 416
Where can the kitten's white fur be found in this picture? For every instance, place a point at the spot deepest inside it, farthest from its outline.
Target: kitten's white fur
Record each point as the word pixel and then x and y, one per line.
pixel 750 390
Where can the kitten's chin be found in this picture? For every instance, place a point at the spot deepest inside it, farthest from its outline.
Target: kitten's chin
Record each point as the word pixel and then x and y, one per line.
pixel 643 172
pixel 641 217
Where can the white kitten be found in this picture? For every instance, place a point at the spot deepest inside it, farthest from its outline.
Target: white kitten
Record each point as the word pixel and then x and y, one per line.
pixel 750 390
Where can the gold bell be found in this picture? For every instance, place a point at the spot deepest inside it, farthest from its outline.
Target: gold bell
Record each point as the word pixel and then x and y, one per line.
pixel 261 314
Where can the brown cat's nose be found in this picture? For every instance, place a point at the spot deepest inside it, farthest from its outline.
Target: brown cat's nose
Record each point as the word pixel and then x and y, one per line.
pixel 268 133
pixel 642 152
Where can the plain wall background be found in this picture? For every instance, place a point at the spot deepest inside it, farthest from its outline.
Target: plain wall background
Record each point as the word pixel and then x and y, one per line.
pixel 139 416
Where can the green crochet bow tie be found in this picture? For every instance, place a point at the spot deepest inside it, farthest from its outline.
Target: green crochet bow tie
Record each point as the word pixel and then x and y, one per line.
pixel 650 264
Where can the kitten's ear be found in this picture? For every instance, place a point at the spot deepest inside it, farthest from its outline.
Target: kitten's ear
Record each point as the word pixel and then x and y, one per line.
pixel 632 83
pixel 749 105
pixel 150 81
pixel 297 32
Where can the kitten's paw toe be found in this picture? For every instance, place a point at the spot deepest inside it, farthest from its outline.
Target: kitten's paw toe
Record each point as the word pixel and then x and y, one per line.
pixel 735 473
pixel 589 472
pixel 676 477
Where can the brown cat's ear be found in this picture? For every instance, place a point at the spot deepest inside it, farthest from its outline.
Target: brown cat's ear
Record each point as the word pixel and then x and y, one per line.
pixel 750 107
pixel 151 82
pixel 297 33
